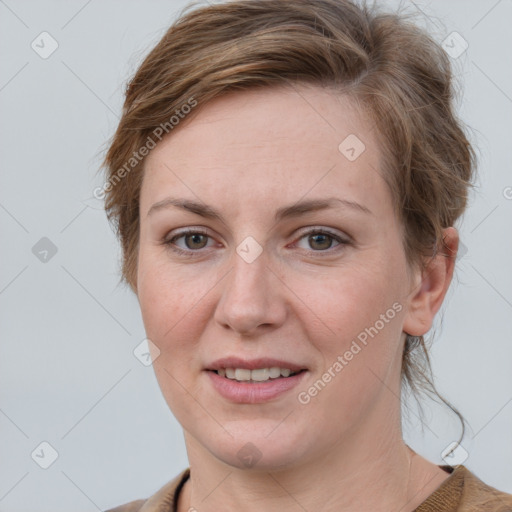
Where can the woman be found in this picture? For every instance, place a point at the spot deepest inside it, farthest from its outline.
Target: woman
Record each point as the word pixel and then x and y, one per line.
pixel 285 180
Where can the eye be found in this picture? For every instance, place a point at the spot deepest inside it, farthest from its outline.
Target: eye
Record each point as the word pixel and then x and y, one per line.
pixel 191 241
pixel 321 240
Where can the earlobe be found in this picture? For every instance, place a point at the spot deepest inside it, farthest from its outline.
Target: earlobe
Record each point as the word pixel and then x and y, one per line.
pixel 427 297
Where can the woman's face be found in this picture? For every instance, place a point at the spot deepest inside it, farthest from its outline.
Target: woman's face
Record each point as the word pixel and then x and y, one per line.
pixel 297 264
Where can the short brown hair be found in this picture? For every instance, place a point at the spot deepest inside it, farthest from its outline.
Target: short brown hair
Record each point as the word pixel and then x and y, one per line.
pixel 388 65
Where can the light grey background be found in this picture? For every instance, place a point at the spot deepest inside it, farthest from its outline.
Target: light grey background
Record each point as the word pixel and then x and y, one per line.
pixel 68 375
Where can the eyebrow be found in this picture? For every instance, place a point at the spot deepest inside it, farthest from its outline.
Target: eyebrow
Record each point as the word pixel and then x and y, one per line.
pixel 286 212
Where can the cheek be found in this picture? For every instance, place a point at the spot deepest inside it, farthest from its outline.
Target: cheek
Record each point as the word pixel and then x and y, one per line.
pixel 358 358
pixel 348 301
pixel 163 293
pixel 174 306
pixel 361 323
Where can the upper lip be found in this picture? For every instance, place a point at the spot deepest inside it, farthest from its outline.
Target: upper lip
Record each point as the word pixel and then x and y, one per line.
pixel 253 364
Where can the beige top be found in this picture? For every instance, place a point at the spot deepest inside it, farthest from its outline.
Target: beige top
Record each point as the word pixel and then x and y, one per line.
pixel 462 491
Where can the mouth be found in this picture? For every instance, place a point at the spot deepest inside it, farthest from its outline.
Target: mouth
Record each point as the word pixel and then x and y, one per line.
pixel 256 375
pixel 254 381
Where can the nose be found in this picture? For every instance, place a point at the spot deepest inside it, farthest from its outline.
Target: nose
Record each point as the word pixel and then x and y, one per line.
pixel 252 298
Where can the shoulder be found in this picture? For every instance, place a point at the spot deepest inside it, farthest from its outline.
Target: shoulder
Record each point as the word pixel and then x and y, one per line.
pixel 133 506
pixel 463 491
pixel 478 496
pixel 166 495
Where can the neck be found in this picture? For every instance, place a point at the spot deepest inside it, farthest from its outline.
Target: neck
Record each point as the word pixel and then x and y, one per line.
pixel 378 475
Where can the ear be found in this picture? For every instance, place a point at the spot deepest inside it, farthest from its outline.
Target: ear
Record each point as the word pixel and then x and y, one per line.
pixel 428 294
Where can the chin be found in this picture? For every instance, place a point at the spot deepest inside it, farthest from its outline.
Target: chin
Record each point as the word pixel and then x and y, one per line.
pixel 250 450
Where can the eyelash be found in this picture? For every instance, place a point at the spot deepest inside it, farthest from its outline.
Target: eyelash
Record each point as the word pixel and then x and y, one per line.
pixel 194 253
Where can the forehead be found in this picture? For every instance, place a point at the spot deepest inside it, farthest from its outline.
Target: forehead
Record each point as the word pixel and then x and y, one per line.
pixel 290 139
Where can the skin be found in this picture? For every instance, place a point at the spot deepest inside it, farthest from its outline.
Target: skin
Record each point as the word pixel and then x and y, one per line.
pixel 304 299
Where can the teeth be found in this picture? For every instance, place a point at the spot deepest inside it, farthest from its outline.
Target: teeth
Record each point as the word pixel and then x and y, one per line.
pixel 258 375
pixel 242 374
pixel 274 372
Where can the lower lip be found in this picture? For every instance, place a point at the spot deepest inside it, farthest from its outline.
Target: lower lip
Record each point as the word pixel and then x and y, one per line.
pixel 253 393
